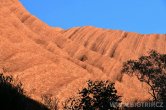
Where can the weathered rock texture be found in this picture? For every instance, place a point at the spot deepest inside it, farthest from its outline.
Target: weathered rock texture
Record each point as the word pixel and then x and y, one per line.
pixel 54 61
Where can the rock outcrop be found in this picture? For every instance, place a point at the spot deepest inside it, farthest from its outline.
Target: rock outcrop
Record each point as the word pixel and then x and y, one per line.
pixel 50 60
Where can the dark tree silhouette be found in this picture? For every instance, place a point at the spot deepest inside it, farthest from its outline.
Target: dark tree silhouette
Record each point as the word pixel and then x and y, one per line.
pixel 12 96
pixel 99 95
pixel 151 70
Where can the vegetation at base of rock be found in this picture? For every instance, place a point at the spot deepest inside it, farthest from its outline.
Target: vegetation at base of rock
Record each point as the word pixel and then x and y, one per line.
pixel 98 95
pixel 50 101
pixel 12 96
pixel 150 69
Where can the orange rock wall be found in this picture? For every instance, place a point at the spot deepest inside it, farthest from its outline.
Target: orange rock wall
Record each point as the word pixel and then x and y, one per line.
pixel 50 60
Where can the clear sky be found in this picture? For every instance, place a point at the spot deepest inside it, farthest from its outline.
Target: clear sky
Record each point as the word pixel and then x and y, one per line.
pixel 143 16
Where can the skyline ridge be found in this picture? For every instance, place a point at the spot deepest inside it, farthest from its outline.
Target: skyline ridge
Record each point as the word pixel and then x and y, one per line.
pixel 141 16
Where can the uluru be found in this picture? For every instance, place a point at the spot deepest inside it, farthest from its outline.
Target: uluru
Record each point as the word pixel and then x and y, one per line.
pixel 58 62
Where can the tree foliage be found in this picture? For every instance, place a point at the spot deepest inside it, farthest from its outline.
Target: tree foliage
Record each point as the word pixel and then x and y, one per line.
pixel 150 69
pixel 98 95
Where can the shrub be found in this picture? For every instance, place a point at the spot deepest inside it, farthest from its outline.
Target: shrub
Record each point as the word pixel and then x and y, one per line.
pixel 99 95
pixel 50 102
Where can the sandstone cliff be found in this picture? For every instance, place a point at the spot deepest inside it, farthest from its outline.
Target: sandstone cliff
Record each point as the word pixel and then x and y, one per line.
pixel 50 60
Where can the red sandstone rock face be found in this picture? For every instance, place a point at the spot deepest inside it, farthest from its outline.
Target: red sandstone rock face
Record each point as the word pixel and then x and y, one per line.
pixel 54 61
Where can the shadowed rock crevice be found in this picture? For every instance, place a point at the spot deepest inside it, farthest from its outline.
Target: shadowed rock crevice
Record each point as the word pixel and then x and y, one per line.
pixel 83 58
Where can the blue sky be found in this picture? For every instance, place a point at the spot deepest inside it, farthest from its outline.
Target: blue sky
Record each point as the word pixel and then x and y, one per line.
pixel 142 16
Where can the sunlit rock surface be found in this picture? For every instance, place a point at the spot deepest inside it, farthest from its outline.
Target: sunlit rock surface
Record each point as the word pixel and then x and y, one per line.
pixel 50 60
